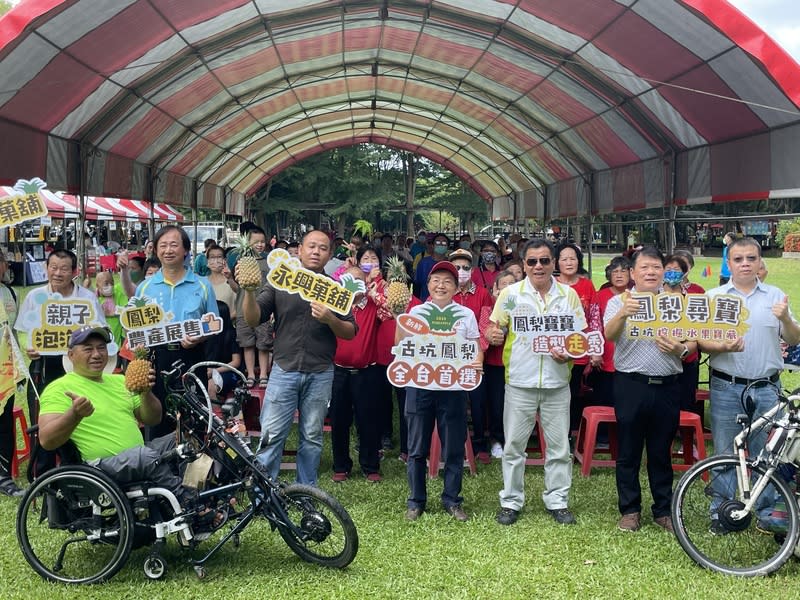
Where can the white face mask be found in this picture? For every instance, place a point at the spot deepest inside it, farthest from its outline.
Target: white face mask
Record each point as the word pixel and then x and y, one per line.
pixel 107 290
pixel 463 277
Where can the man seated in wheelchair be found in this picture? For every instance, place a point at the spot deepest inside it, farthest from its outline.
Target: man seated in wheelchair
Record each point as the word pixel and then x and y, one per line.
pixel 101 417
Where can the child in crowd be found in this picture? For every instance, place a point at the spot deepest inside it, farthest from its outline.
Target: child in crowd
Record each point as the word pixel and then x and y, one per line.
pixel 110 296
pixel 222 380
pixel 494 372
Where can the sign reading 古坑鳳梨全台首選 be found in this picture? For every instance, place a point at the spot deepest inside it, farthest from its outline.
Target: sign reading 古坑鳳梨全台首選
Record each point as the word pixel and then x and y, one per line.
pixel 694 317
pixel 435 356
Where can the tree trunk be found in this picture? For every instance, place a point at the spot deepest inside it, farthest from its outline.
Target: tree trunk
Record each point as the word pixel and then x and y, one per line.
pixel 410 177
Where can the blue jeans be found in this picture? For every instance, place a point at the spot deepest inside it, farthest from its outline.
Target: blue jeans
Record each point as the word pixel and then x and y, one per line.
pixel 287 391
pixel 726 403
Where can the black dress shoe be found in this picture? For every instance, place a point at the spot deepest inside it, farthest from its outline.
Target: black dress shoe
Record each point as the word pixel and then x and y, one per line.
pixel 562 516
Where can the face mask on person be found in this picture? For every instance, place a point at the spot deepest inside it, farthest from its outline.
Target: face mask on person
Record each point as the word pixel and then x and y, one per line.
pixel 673 278
pixel 440 249
pixel 464 244
pixel 107 290
pixel 421 239
pixel 136 276
pixel 463 277
pixel 489 257
pixel 367 267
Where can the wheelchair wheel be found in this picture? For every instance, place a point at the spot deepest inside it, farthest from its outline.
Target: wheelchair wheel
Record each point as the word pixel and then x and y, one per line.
pixel 319 528
pixel 74 525
pixel 731 543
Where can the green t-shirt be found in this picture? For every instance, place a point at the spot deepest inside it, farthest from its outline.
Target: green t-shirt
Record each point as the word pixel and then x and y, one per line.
pixel 111 428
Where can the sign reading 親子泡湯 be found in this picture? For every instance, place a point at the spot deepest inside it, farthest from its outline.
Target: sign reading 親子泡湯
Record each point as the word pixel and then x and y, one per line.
pixel 59 318
pixel 694 317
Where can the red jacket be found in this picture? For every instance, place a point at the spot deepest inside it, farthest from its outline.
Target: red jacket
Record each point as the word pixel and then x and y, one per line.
pixel 386 331
pixel 360 352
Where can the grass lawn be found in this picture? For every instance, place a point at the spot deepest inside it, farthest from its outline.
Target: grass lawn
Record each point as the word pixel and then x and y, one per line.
pixel 437 557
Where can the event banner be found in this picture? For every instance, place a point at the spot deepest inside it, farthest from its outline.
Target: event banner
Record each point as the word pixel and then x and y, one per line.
pixel 694 317
pixel 435 356
pixel 146 324
pixel 287 273
pixel 25 205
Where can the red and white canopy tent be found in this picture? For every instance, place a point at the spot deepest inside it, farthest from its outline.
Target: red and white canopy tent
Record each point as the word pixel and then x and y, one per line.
pixel 97 208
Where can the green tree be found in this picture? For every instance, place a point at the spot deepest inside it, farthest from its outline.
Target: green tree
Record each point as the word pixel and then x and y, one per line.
pixel 5 6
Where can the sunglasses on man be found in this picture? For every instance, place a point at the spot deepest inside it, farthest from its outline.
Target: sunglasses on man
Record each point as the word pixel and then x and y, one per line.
pixel 544 261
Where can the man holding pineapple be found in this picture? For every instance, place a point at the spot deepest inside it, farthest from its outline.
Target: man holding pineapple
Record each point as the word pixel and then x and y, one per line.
pixel 302 371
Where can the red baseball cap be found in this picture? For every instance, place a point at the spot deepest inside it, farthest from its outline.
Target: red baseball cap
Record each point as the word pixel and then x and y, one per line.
pixel 445 265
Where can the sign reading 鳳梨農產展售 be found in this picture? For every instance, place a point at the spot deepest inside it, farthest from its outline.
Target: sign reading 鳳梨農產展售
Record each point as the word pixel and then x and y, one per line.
pixel 287 273
pixel 146 324
pixel 435 355
pixel 694 317
pixel 25 205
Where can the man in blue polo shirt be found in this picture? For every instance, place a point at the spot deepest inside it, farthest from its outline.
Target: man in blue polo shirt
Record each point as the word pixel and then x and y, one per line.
pixel 187 296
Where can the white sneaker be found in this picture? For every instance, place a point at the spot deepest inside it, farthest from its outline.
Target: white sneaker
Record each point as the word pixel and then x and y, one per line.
pixel 497 450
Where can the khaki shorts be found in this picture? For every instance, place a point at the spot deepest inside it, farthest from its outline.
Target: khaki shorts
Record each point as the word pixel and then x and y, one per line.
pixel 261 337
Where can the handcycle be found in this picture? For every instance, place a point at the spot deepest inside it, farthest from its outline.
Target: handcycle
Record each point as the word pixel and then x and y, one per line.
pixel 76 525
pixel 717 503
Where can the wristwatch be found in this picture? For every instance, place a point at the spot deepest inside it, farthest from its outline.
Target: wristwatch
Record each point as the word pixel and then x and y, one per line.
pixel 685 352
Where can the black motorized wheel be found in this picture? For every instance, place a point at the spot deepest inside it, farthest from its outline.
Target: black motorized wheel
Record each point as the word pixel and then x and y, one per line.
pixel 319 529
pixel 712 529
pixel 75 525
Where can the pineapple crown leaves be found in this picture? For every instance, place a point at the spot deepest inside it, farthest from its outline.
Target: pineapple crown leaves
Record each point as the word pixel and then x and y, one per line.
pixel 352 284
pixel 362 227
pixel 396 269
pixel 30 186
pixel 243 246
pixel 440 319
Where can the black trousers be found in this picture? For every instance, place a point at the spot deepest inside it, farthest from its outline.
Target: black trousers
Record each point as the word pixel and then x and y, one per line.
pixel 647 418
pixel 353 396
pixel 8 437
pixel 164 358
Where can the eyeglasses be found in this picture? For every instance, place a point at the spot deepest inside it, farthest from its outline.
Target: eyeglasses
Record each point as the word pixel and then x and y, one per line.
pixel 440 243
pixel 750 258
pixel 216 259
pixel 463 267
pixel 544 261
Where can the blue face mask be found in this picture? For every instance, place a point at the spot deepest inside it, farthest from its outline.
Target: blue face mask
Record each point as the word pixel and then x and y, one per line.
pixel 440 249
pixel 367 267
pixel 673 278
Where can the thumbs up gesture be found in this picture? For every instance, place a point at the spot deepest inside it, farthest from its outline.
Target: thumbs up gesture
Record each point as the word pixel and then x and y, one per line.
pixel 781 309
pixel 630 305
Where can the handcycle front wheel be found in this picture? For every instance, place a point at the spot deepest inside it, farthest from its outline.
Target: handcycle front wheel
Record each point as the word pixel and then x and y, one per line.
pixel 710 528
pixel 319 528
pixel 75 525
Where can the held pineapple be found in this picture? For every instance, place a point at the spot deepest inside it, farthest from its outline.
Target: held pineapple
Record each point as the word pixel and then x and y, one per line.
pixel 248 275
pixel 398 293
pixel 137 375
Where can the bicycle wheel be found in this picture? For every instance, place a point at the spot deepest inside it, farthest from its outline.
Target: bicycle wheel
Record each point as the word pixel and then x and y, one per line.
pixel 731 543
pixel 74 525
pixel 319 529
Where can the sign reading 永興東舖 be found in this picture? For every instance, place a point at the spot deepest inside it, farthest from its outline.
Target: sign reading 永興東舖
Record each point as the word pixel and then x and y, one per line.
pixel 436 356
pixel 694 317
pixel 146 324
pixel 287 273
pixel 27 204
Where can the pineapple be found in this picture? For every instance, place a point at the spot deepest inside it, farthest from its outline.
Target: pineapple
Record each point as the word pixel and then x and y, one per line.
pixel 398 293
pixel 249 273
pixel 137 375
pixel 441 321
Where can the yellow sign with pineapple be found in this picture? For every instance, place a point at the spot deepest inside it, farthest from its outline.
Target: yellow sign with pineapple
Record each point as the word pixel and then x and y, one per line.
pixel 26 205
pixel 288 274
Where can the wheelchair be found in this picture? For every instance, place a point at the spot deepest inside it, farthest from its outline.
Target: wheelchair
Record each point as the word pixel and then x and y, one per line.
pixel 76 525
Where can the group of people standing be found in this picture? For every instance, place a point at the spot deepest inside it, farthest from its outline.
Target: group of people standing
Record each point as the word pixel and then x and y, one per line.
pixel 328 364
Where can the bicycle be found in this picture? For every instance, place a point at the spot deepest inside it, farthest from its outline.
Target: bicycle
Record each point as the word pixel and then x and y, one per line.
pixel 76 525
pixel 715 507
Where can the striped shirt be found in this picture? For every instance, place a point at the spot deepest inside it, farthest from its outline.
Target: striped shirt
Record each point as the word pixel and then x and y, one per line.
pixel 639 356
